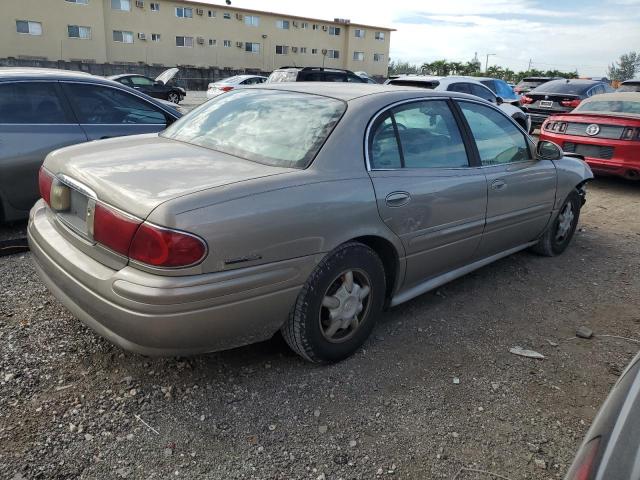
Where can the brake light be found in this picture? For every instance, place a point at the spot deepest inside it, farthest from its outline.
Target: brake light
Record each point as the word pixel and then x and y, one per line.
pixel 226 88
pixel 45 180
pixel 161 247
pixel 113 229
pixel 584 463
pixel 524 100
pixel 570 103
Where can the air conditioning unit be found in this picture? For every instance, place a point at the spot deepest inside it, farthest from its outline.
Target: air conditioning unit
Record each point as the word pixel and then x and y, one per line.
pixel 140 3
pixel 200 40
pixel 238 16
pixel 199 11
pixel 142 36
pixel 239 44
pixel 324 28
pixel 294 49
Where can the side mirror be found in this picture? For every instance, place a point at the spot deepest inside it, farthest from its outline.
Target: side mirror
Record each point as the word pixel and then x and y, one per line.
pixel 499 100
pixel 546 150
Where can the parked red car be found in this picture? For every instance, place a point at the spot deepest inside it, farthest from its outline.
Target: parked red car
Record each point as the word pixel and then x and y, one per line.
pixel 605 129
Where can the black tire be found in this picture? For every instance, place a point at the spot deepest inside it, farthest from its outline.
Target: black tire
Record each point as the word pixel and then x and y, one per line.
pixel 174 97
pixel 306 331
pixel 554 242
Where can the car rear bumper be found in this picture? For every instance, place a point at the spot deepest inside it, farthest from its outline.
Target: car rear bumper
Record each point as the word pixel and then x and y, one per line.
pixel 165 315
pixel 624 160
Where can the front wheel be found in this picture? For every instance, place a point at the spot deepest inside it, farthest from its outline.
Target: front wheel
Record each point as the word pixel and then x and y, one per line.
pixel 559 234
pixel 338 305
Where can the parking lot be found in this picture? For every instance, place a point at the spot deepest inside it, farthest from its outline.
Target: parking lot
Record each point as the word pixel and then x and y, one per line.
pixel 74 406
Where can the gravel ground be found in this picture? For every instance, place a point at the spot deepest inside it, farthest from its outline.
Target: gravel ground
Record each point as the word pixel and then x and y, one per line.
pixel 72 406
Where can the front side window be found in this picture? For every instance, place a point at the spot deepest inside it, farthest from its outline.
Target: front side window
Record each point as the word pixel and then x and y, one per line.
pixel 358 56
pixel 379 36
pixel 252 20
pixel 334 31
pixel 248 124
pixel 122 37
pixel 76 31
pixel 428 137
pixel 498 140
pixel 282 24
pixel 184 41
pixel 184 12
pixel 252 47
pixel 29 27
pixel 32 103
pixel 97 105
pixel 124 5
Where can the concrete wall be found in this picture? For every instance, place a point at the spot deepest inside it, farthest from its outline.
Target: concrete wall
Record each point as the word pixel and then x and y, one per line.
pixel 56 15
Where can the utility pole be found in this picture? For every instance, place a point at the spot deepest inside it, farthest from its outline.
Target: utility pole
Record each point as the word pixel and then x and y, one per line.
pixel 529 69
pixel 486 64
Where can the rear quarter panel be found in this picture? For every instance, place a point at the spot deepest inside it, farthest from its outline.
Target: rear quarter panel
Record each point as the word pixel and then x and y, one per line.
pixel 572 172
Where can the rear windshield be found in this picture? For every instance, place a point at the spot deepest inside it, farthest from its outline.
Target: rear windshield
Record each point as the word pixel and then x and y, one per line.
pixel 561 86
pixel 278 128
pixel 283 76
pixel 530 83
pixel 629 87
pixel 610 106
pixel 415 83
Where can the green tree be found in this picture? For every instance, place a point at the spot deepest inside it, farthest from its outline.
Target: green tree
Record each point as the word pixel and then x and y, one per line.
pixel 626 67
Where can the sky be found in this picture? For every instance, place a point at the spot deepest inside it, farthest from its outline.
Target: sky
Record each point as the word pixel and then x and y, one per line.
pixel 586 35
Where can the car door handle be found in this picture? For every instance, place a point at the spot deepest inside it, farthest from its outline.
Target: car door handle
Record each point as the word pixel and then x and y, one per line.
pixel 498 185
pixel 398 199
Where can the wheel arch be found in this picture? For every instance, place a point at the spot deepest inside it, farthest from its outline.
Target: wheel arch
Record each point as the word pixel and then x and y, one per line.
pixel 390 260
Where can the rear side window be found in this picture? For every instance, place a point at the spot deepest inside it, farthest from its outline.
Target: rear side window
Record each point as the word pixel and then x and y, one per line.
pixel 428 137
pixel 482 92
pixel 32 103
pixel 335 77
pixel 503 89
pixel 498 140
pixel 460 87
pixel 98 105
pixel 249 124
pixel 141 81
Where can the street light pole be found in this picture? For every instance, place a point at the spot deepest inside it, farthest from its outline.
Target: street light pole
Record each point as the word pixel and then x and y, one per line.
pixel 486 64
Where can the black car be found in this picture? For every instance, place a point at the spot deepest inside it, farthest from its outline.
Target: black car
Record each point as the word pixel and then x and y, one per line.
pixel 559 96
pixel 313 74
pixel 158 88
pixel 529 83
pixel 611 448
pixel 630 86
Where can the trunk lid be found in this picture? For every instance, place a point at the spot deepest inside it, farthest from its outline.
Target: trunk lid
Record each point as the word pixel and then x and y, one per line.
pixel 136 174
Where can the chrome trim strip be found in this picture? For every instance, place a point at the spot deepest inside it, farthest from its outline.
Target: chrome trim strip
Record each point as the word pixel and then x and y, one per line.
pixel 70 182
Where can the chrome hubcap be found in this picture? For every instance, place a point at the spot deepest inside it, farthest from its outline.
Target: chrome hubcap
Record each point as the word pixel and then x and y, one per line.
pixel 345 305
pixel 565 220
pixel 173 97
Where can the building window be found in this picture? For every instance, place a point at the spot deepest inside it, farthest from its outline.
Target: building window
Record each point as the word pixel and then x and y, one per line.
pixel 282 49
pixel 211 14
pixel 314 51
pixel 304 25
pixel 334 31
pixel 227 43
pixel 79 2
pixel 359 33
pixel 184 12
pixel 333 53
pixel 154 6
pixel 184 41
pixel 252 20
pixel 155 37
pixel 252 47
pixel 316 26
pixel 282 24
pixel 358 56
pixel 122 37
pixel 303 49
pixel 124 5
pixel 379 36
pixel 378 57
pixel 29 27
pixel 226 16
pixel 76 31
pixel 212 42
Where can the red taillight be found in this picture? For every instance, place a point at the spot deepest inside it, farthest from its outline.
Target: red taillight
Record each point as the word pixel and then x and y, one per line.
pixel 524 100
pixel 161 247
pixel 570 103
pixel 45 180
pixel 584 463
pixel 225 88
pixel 113 229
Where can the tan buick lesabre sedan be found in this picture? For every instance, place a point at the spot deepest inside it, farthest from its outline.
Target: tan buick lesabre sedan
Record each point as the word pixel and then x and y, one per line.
pixel 300 208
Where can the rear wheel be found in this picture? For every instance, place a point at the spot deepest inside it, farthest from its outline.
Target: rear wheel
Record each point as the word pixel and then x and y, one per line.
pixel 559 234
pixel 173 97
pixel 337 307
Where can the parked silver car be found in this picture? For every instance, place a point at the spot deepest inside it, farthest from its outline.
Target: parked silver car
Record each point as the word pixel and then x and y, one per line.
pixel 228 227
pixel 226 85
pixel 44 109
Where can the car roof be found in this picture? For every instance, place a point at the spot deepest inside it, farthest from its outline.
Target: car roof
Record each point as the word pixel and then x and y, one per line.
pixel 630 81
pixel 534 79
pixel 18 73
pixel 311 69
pixel 123 75
pixel 350 91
